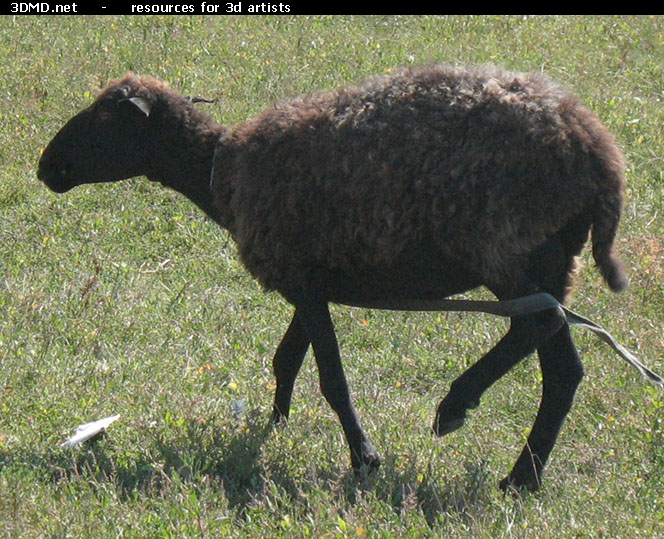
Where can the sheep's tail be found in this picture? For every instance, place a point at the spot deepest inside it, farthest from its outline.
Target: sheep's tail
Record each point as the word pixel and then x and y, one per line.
pixel 606 217
pixel 609 264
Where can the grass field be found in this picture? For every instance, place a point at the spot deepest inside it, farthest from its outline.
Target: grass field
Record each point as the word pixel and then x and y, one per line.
pixel 124 299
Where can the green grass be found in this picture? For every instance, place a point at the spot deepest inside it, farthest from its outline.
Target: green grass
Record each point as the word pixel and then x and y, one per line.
pixel 124 299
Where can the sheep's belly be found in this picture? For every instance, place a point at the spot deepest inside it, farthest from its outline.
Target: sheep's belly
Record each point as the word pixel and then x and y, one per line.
pixel 423 278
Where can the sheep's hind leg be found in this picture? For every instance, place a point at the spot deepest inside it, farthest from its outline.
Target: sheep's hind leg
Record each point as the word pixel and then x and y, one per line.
pixel 562 372
pixel 560 363
pixel 286 364
pixel 315 318
pixel 525 335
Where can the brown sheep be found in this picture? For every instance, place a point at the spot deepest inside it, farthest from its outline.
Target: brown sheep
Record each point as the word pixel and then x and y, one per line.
pixel 413 186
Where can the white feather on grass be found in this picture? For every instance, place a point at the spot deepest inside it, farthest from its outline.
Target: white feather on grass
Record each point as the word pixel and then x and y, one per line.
pixel 89 430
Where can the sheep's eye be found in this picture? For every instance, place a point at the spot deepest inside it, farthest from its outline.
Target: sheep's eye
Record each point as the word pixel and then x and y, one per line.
pixel 106 105
pixel 105 109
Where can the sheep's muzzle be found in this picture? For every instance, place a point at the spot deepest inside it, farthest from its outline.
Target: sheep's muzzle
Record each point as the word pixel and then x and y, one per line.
pixel 54 174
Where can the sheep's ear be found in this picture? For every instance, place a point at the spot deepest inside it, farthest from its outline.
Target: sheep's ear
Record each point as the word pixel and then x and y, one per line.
pixel 142 104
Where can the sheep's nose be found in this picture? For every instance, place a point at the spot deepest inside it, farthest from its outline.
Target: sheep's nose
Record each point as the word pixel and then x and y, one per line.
pixel 54 174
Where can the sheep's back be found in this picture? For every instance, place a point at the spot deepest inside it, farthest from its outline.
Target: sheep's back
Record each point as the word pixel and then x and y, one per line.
pixel 481 166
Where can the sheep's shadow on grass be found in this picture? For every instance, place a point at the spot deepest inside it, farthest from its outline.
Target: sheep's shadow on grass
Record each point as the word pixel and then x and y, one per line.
pixel 249 476
pixel 411 489
pixel 212 457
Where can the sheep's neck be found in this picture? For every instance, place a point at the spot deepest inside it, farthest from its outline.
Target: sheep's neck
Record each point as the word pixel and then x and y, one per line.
pixel 184 162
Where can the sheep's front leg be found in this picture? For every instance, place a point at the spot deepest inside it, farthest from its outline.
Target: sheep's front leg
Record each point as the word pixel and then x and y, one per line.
pixel 286 364
pixel 314 316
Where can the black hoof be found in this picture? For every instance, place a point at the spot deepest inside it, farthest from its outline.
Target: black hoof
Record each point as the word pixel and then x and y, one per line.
pixel 450 418
pixel 278 417
pixel 371 462
pixel 518 487
pixel 367 463
pixel 441 427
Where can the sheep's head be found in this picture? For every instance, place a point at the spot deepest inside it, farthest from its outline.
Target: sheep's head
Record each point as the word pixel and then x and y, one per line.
pixel 102 143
